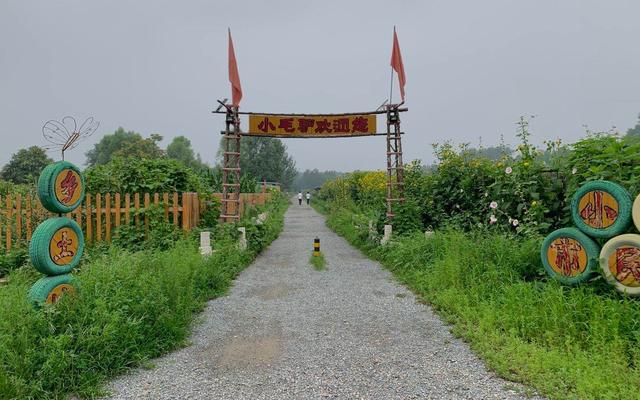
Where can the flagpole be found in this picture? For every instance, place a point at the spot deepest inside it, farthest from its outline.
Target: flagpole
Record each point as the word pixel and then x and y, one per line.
pixel 391 88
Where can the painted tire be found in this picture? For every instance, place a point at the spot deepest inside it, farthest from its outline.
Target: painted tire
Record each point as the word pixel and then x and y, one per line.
pixel 50 289
pixel 56 246
pixel 601 209
pixel 61 187
pixel 620 263
pixel 635 212
pixel 569 256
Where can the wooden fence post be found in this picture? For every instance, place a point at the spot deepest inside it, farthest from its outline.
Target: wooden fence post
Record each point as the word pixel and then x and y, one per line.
pixel 117 213
pixel 0 220
pixel 28 217
pixel 107 212
pixel 18 219
pixel 136 205
pixel 8 213
pixel 175 208
pixel 185 211
pixel 98 218
pixel 127 208
pixel 165 203
pixel 146 215
pixel 89 217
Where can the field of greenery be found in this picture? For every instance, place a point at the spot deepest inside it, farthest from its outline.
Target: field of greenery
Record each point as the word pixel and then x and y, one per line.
pixel 137 301
pixel 481 268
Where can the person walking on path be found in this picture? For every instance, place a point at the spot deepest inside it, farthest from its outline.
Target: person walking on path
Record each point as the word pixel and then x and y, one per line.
pixel 299 198
pixel 308 198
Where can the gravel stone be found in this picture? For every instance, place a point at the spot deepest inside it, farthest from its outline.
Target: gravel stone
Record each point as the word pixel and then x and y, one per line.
pixel 287 331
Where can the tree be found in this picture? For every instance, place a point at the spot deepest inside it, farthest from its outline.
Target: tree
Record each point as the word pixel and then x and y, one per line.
pixel 25 165
pixel 312 178
pixel 180 149
pixel 266 159
pixel 124 144
pixel 635 131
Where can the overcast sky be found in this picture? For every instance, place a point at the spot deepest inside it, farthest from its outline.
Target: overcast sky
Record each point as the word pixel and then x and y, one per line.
pixel 473 67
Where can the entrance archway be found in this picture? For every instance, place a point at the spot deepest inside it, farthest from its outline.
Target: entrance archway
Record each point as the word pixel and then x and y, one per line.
pixel 308 126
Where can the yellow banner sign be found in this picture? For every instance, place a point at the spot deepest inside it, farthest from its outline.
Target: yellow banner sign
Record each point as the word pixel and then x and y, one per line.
pixel 312 125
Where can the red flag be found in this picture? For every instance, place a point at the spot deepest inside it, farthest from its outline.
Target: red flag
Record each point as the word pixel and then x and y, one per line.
pixel 396 63
pixel 234 76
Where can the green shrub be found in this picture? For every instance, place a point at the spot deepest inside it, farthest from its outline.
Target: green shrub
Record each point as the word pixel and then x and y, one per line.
pixel 13 260
pixel 527 192
pixel 140 175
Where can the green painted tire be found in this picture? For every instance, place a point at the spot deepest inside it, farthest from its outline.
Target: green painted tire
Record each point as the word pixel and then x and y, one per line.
pixel 620 263
pixel 61 187
pixel 56 246
pixel 601 209
pixel 569 256
pixel 49 290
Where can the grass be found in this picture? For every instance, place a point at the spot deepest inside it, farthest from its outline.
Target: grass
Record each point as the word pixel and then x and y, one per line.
pixel 565 342
pixel 132 307
pixel 318 262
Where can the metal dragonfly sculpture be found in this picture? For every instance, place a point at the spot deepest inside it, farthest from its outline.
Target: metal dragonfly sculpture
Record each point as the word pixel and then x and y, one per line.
pixel 65 135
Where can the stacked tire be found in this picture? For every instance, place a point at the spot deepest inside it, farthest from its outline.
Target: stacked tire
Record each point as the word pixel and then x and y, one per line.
pixel 601 211
pixel 57 244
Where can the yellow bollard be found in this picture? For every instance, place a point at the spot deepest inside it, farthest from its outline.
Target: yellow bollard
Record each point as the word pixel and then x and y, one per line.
pixel 316 247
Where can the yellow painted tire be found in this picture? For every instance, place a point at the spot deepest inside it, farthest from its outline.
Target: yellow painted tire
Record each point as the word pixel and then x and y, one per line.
pixel 56 246
pixel 620 263
pixel 569 256
pixel 601 209
pixel 635 212
pixel 61 187
pixel 50 289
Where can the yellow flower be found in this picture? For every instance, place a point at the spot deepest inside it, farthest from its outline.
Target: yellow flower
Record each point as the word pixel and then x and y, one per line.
pixel 534 203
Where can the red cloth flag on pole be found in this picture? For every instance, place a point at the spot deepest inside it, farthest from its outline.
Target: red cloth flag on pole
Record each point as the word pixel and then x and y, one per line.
pixel 234 76
pixel 396 63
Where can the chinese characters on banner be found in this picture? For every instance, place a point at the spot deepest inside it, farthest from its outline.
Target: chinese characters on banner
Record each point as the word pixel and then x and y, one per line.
pixel 312 125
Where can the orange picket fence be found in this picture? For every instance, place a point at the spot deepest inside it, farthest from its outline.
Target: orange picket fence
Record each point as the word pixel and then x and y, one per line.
pixel 100 214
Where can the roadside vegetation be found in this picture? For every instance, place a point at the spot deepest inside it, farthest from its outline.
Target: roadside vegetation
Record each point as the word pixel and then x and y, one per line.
pixel 481 267
pixel 137 301
pixel 318 262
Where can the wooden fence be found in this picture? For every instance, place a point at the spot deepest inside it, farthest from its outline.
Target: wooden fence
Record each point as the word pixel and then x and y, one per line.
pixel 100 214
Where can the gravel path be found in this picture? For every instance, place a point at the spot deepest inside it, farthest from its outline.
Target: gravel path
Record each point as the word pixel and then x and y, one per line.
pixel 287 331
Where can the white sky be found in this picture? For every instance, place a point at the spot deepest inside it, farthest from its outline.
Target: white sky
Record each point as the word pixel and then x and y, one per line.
pixel 473 67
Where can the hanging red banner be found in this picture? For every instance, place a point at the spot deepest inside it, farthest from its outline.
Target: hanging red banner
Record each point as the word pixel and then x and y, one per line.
pixel 312 125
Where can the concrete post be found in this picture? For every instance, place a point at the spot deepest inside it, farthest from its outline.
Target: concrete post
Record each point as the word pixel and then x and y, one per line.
pixel 387 234
pixel 205 243
pixel 242 242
